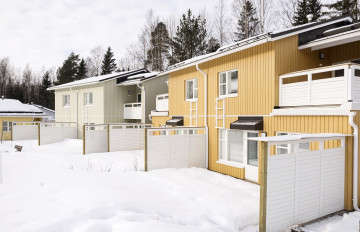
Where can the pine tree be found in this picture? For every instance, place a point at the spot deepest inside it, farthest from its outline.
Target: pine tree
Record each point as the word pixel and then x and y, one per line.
pixel 108 63
pixel 190 38
pixel 346 7
pixel 44 95
pixel 213 45
pixel 67 72
pixel 82 70
pixel 159 50
pixel 305 8
pixel 248 23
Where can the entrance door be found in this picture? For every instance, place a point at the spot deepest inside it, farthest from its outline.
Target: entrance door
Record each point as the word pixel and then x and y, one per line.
pixel 251 157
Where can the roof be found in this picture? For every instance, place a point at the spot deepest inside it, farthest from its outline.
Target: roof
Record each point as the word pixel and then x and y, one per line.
pixel 12 107
pixel 260 39
pixel 96 79
pixel 287 138
pixel 48 112
pixel 137 78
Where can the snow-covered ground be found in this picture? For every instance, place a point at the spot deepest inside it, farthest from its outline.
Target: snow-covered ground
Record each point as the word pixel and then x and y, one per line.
pixel 56 188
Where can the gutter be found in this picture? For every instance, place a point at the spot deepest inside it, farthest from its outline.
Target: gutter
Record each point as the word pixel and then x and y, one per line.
pixel 77 110
pixel 205 119
pixel 355 160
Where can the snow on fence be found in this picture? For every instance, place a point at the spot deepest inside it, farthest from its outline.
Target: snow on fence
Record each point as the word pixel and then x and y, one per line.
pixel 302 185
pixel 24 130
pixel 177 147
pixel 51 132
pixel 114 137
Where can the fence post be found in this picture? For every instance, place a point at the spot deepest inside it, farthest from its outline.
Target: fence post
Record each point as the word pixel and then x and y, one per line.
pixel 145 151
pixel 263 186
pixel 11 129
pixel 108 138
pixel 39 134
pixel 83 139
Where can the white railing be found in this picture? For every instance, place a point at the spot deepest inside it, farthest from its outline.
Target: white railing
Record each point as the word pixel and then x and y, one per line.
pixel 162 102
pixel 333 90
pixel 132 111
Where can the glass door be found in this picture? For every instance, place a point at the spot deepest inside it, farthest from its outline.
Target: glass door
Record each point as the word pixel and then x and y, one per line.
pixel 251 157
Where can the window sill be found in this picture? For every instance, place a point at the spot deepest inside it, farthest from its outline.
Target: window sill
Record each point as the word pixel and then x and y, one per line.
pixel 230 163
pixel 66 106
pixel 191 100
pixel 87 105
pixel 228 96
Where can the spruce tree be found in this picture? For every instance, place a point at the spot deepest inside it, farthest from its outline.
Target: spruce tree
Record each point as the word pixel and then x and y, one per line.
pixel 346 7
pixel 45 96
pixel 305 8
pixel 109 63
pixel 82 70
pixel 190 38
pixel 213 45
pixel 67 72
pixel 248 23
pixel 159 42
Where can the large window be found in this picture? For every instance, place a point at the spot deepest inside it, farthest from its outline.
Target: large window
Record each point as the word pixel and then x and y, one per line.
pixel 6 126
pixel 191 92
pixel 88 99
pixel 234 146
pixel 66 100
pixel 228 83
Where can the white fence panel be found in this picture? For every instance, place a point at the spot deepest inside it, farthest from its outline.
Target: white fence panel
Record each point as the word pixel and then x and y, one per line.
pixel 175 148
pixel 127 137
pixel 96 139
pixel 55 132
pixel 304 186
pixel 24 130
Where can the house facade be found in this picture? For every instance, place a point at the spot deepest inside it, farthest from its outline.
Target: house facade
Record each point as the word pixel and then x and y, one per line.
pixel 105 99
pixel 298 80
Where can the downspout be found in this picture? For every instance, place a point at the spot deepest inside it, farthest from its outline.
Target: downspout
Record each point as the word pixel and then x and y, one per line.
pixel 206 122
pixel 355 160
pixel 142 104
pixel 77 110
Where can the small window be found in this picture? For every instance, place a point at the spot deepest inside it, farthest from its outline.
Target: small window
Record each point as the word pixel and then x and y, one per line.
pixel 88 99
pixel 66 100
pixel 139 97
pixel 191 91
pixel 6 126
pixel 228 83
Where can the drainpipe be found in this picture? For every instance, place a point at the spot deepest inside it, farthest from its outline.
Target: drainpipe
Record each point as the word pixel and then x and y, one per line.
pixel 142 104
pixel 355 160
pixel 206 115
pixel 77 109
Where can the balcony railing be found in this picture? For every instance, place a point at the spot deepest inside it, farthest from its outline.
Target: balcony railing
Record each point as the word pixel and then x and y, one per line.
pixel 162 102
pixel 132 111
pixel 332 85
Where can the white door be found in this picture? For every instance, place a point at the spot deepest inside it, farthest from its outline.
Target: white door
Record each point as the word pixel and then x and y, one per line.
pixel 251 157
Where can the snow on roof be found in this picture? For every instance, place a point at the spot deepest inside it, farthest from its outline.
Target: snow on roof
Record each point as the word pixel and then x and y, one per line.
pixel 89 80
pixel 284 138
pixel 143 75
pixel 48 112
pixel 15 107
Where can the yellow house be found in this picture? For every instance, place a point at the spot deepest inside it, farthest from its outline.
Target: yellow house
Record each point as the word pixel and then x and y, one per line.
pixel 14 111
pixel 297 80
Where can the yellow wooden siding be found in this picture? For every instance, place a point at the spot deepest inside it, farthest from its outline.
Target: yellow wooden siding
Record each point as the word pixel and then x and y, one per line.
pixel 7 135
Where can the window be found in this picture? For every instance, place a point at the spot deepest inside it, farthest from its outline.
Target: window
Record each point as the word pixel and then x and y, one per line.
pixel 289 148
pixel 228 83
pixel 139 97
pixel 234 146
pixel 89 126
pixel 6 126
pixel 66 100
pixel 88 99
pixel 191 92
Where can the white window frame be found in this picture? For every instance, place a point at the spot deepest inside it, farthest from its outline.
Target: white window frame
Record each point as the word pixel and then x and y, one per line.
pixel 87 98
pixel 227 84
pixel 137 98
pixel 288 147
pixel 197 89
pixel 244 152
pixel 66 100
pixel 7 123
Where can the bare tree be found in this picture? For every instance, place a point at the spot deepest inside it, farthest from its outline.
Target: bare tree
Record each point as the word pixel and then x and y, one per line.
pixel 285 12
pixel 6 73
pixel 171 25
pixel 264 11
pixel 221 23
pixel 94 61
pixel 27 81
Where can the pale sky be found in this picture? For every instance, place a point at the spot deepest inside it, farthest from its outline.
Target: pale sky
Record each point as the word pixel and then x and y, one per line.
pixel 44 32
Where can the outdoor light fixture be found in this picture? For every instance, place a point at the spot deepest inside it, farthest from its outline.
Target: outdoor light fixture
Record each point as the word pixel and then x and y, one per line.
pixel 321 55
pixel 130 92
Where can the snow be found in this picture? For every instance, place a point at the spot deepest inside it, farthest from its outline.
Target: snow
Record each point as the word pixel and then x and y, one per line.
pixel 56 188
pixel 15 107
pixel 284 138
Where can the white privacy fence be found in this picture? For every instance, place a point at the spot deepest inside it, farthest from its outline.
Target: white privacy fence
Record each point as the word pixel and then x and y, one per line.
pixel 51 132
pixel 178 147
pixel 114 137
pixel 302 185
pixel 24 130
